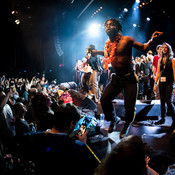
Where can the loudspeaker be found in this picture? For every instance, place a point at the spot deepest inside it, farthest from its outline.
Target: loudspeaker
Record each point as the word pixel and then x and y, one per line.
pixel 68 85
pixel 81 100
pixel 88 104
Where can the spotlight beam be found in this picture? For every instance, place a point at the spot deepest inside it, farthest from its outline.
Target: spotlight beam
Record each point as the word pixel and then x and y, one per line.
pixel 85 8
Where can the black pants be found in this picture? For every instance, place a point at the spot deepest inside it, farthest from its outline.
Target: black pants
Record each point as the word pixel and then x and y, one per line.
pixel 127 83
pixel 166 98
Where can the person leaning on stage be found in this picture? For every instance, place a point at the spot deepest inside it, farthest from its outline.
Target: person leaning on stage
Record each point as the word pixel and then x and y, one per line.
pixel 118 51
pixel 165 78
pixel 127 157
pixel 54 151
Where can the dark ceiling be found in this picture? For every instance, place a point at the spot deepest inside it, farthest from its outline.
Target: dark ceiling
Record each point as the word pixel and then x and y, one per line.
pixel 30 41
pixel 40 12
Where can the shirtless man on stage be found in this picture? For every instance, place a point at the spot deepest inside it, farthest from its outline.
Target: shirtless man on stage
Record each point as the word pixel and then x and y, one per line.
pixel 118 51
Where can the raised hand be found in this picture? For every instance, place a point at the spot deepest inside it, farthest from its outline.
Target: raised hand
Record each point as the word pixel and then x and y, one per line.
pixel 156 34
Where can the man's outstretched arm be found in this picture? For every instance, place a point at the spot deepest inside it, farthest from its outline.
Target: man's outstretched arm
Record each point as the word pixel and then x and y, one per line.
pixel 145 46
pixel 98 52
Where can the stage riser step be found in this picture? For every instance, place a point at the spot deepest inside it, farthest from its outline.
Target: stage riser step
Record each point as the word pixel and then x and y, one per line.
pixel 144 109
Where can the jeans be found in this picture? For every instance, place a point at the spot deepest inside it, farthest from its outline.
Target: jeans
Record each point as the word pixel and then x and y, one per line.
pixel 94 84
pixel 166 97
pixel 127 83
pixel 85 81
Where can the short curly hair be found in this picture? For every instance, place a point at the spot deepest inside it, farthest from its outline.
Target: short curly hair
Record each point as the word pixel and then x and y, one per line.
pixel 116 23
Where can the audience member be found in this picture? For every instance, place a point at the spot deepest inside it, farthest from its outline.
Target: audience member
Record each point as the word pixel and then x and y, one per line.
pixel 21 125
pixel 160 161
pixel 145 68
pixel 42 112
pixel 7 127
pixel 128 157
pixel 55 151
pixel 155 60
pixel 7 118
pixel 28 116
pixel 150 56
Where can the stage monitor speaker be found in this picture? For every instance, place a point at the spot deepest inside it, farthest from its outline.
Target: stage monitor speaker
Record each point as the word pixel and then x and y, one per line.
pixel 145 109
pixel 68 85
pixel 81 100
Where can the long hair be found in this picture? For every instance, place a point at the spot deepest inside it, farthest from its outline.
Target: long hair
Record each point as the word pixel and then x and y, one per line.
pixel 170 53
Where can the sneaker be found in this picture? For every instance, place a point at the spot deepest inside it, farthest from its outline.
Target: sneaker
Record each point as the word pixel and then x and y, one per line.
pixel 159 122
pixel 113 124
pixel 117 120
pixel 111 128
pixel 124 132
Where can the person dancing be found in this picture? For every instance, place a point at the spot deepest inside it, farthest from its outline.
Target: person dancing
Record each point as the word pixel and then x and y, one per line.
pixel 118 51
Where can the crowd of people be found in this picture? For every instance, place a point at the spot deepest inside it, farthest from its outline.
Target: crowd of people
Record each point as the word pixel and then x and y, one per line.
pixel 37 117
pixel 35 125
pixel 35 128
pixel 145 67
pixel 129 78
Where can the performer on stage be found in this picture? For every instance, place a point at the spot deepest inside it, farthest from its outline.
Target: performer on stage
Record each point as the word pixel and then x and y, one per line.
pixel 118 51
pixel 78 72
pixel 165 78
pixel 155 60
pixel 86 73
pixel 95 63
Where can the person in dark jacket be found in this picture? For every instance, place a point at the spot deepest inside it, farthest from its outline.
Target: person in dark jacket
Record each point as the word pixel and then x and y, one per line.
pixel 55 151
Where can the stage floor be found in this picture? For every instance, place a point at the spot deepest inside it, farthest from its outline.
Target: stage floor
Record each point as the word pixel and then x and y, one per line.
pixel 161 142
pixel 158 138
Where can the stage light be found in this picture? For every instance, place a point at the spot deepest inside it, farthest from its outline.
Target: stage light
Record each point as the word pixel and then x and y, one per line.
pixel 134 25
pixel 137 1
pixel 17 21
pixel 14 12
pixel 148 19
pixel 125 10
pixel 94 28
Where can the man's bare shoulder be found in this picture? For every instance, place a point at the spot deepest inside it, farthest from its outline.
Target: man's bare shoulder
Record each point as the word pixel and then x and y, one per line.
pixel 129 38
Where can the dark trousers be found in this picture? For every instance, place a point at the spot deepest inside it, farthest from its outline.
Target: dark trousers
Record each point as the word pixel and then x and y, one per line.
pixel 127 83
pixel 166 98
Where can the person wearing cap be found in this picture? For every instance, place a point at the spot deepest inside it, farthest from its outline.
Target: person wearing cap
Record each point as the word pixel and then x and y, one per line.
pixel 150 55
pixel 95 63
